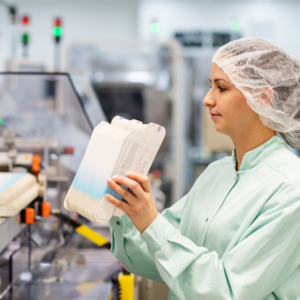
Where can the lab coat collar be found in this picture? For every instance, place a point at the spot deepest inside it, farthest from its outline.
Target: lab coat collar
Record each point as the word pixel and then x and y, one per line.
pixel 256 156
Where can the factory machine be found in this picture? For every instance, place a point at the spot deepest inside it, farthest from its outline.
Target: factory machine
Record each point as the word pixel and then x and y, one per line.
pixel 45 251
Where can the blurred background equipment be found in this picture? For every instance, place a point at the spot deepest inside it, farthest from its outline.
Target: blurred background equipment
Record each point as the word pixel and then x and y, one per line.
pixel 24 65
pixel 144 60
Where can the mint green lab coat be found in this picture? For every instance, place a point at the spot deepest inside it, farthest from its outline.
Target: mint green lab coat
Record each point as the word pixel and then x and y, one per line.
pixel 235 235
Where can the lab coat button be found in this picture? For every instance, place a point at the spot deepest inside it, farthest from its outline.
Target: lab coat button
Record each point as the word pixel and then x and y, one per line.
pixel 206 219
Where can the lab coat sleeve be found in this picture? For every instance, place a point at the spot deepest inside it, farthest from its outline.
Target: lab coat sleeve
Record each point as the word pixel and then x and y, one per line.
pixel 265 255
pixel 131 250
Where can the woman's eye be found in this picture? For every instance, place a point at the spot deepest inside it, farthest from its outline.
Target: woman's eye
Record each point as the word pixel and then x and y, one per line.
pixel 221 89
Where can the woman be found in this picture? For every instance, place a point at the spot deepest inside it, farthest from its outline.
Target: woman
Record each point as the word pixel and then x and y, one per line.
pixel 236 234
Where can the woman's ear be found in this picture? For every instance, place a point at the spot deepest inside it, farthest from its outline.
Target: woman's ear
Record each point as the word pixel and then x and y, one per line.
pixel 267 95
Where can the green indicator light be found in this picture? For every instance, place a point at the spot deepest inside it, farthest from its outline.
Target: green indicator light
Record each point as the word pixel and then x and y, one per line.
pixel 154 28
pixel 57 31
pixel 235 25
pixel 1 122
pixel 25 38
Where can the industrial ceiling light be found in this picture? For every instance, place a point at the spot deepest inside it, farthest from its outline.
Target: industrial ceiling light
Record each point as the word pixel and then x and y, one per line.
pixel 154 27
pixel 235 25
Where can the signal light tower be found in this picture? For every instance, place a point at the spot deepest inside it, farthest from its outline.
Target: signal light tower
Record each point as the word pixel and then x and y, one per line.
pixel 25 20
pixel 57 33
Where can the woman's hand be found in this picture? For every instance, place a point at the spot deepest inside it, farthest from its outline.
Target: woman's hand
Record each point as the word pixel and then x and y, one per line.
pixel 140 207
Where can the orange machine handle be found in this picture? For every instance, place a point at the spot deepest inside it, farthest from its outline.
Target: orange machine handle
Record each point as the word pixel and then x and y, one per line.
pixel 36 163
pixel 29 215
pixel 46 209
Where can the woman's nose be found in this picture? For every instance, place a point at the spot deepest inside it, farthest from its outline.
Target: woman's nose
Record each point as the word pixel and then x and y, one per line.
pixel 209 100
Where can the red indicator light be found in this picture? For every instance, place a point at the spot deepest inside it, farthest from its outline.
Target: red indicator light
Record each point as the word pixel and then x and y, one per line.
pixel 57 23
pixel 69 150
pixel 25 20
pixel 156 173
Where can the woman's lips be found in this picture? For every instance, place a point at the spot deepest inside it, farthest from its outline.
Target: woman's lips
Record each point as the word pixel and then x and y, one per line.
pixel 213 116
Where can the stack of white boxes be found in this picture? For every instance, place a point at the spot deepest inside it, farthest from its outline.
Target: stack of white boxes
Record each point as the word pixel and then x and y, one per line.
pixel 114 149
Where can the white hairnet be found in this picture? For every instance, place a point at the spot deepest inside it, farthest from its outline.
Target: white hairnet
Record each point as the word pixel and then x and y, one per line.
pixel 269 79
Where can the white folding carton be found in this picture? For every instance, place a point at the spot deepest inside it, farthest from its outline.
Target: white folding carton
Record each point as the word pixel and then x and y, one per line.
pixel 114 149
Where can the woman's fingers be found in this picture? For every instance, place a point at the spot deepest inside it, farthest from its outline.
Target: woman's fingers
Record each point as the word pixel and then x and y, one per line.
pixel 134 186
pixel 121 191
pixel 118 203
pixel 142 179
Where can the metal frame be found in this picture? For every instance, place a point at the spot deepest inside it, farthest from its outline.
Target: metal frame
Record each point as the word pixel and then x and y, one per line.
pixel 55 73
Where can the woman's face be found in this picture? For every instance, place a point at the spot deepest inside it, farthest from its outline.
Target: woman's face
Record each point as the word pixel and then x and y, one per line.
pixel 227 105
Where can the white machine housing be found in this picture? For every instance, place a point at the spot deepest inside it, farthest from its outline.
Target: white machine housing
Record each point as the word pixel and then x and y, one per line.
pixel 114 149
pixel 17 190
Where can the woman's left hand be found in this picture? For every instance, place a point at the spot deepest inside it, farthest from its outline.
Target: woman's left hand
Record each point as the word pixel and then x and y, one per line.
pixel 140 206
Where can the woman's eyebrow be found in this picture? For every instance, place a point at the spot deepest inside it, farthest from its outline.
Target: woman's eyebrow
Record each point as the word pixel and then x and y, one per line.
pixel 218 79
